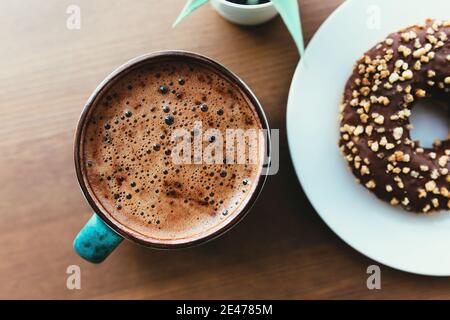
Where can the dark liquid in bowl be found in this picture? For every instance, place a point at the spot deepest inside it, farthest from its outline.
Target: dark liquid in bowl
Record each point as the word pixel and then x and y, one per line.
pixel 249 2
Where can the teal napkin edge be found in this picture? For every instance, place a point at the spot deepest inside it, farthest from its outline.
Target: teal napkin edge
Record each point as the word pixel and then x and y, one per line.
pixel 290 13
pixel 288 10
pixel 190 7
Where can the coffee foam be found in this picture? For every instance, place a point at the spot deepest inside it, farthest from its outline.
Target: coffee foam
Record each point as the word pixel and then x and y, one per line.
pixel 127 143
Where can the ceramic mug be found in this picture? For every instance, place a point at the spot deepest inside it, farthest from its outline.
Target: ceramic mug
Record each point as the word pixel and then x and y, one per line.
pixel 102 233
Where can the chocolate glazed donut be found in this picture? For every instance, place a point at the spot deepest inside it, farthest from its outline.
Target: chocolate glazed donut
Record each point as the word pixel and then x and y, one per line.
pixel 408 66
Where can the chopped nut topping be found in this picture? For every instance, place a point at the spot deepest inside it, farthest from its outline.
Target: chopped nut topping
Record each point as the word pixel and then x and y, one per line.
pixel 371 184
pixel 434 174
pixel 394 77
pixel 421 93
pixel 435 202
pixel 397 133
pixel 430 185
pixel 421 51
pixel 379 119
pixel 405 201
pixel 417 44
pixel 408 98
pixel 358 130
pixel 374 146
pixel 365 170
pixel 422 193
pixel 394 201
pixel 407 74
pixel 364 117
pixel 405 50
pixel 443 161
pixel 414 174
pixel 399 63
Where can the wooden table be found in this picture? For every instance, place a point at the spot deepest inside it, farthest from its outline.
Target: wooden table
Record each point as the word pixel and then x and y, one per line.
pixel 282 250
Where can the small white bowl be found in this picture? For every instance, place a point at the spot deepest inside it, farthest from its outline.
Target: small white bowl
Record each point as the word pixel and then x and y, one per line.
pixel 243 14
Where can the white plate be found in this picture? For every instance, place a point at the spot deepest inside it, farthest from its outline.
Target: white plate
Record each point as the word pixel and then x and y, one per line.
pixel 396 238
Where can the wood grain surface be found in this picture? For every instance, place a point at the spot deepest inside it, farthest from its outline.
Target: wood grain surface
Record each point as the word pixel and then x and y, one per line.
pixel 282 250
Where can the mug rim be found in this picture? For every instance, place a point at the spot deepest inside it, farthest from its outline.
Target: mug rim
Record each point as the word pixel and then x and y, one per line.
pixel 95 204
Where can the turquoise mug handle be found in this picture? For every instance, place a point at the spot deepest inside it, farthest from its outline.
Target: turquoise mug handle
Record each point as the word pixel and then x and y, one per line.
pixel 96 240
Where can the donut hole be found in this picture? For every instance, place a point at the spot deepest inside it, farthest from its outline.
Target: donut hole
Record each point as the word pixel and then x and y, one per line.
pixel 431 121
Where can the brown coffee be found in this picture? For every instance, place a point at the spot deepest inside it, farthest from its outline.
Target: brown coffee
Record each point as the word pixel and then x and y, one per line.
pixel 128 142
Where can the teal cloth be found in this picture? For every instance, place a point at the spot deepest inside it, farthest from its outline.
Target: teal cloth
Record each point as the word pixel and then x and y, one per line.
pixel 290 13
pixel 190 6
pixel 288 10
